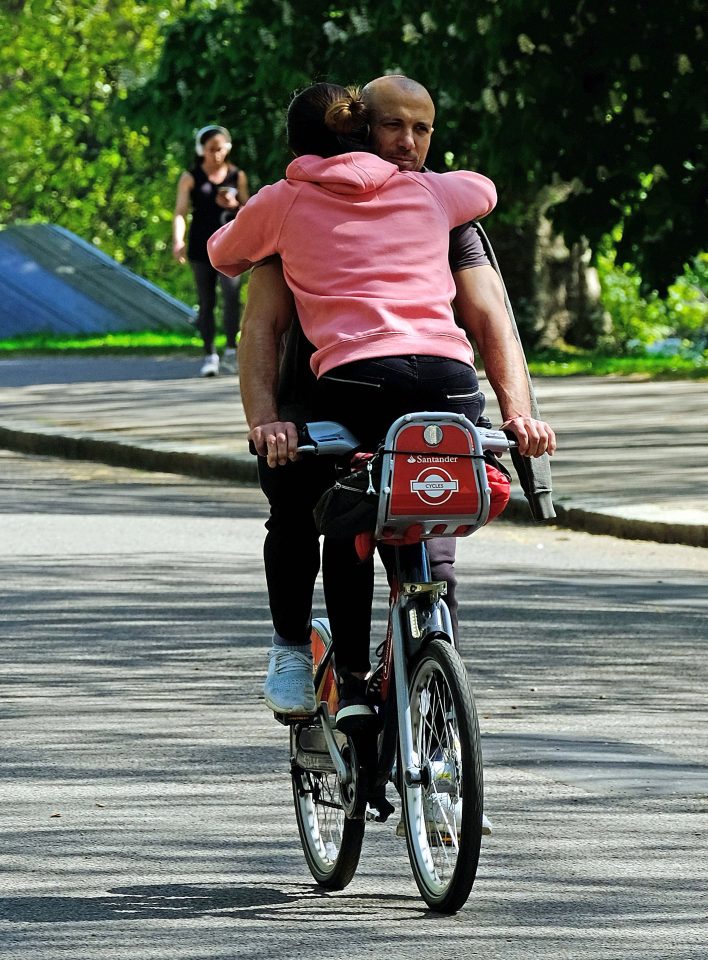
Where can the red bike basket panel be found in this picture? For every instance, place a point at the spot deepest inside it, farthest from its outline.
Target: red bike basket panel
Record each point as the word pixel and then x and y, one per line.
pixel 430 482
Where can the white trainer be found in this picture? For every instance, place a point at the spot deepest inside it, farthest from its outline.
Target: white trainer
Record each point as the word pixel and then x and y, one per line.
pixel 210 367
pixel 487 826
pixel 228 361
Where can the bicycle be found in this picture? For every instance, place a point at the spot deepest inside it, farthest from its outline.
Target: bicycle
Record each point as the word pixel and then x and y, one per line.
pixel 434 482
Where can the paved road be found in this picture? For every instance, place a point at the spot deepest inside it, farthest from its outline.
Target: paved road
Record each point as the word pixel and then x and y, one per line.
pixel 145 810
pixel 632 457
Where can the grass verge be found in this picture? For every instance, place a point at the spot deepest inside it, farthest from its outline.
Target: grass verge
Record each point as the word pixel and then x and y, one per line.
pixel 155 341
pixel 559 363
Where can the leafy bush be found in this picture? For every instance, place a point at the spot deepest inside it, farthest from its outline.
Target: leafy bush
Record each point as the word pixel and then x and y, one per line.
pixel 640 321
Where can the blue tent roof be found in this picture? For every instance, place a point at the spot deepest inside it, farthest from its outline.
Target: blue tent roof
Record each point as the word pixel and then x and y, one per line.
pixel 52 281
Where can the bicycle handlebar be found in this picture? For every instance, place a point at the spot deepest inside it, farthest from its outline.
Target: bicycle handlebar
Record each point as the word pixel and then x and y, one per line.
pixel 331 439
pixel 327 438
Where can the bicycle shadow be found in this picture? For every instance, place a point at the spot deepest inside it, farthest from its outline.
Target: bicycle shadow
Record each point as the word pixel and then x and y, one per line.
pixel 184 901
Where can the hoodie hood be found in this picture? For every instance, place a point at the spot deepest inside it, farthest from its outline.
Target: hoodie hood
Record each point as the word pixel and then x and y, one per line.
pixel 349 173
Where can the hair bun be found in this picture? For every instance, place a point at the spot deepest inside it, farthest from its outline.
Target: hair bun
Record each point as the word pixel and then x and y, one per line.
pixel 348 114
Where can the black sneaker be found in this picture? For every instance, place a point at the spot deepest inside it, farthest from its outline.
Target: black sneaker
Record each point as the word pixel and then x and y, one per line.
pixel 355 713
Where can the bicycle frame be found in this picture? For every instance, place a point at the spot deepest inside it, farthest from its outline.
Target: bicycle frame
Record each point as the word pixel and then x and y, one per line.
pixel 417 614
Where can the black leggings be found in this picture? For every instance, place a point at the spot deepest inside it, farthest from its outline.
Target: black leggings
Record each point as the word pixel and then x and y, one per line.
pixel 206 277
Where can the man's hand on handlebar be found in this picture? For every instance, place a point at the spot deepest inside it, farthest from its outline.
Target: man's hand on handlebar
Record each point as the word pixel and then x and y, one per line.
pixel 276 441
pixel 535 437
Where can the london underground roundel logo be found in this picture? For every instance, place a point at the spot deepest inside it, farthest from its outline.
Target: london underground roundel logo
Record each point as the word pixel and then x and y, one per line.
pixel 434 486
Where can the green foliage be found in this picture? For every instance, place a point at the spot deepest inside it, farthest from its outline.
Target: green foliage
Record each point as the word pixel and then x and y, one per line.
pixel 600 105
pixel 607 98
pixel 640 320
pixel 687 301
pixel 238 63
pixel 555 363
pixel 67 157
pixel 145 341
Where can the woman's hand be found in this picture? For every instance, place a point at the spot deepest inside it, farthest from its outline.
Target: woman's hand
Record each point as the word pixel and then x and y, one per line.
pixel 179 251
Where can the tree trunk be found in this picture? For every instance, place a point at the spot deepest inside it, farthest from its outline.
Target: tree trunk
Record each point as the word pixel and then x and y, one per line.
pixel 553 289
pixel 566 292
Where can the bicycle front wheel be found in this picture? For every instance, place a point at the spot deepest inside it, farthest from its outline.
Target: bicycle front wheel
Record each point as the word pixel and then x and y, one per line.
pixel 443 816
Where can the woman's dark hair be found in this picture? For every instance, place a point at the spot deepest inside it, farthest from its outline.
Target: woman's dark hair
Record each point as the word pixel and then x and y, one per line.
pixel 326 119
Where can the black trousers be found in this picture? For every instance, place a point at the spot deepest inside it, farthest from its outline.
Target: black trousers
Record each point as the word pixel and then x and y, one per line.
pixel 367 396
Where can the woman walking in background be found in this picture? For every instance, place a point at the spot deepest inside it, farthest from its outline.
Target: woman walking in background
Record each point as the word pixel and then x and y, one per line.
pixel 214 190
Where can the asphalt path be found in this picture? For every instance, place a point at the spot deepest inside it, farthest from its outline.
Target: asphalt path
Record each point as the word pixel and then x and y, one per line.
pixel 146 810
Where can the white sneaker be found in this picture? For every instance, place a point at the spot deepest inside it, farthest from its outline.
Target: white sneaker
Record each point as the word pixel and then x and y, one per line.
pixel 228 361
pixel 487 827
pixel 210 367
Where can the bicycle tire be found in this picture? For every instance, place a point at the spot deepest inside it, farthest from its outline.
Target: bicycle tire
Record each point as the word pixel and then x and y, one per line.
pixel 330 840
pixel 443 817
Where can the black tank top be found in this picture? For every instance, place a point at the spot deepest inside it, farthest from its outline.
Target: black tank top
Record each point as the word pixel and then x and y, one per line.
pixel 207 215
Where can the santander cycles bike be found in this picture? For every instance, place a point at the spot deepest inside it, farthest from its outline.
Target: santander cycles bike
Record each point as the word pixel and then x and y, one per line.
pixel 435 480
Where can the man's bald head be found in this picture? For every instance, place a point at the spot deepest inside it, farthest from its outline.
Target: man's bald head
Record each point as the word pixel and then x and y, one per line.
pixel 395 85
pixel 402 114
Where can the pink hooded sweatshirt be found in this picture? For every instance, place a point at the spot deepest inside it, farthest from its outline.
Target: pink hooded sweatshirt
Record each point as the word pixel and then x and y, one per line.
pixel 364 249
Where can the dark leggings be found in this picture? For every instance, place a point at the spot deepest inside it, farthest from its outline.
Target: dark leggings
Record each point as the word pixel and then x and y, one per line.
pixel 206 277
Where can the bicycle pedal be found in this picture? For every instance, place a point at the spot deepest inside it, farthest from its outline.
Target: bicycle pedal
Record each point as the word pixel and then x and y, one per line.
pixel 288 719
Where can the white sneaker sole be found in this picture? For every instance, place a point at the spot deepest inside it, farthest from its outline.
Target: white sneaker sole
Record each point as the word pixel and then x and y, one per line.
pixel 300 710
pixel 486 827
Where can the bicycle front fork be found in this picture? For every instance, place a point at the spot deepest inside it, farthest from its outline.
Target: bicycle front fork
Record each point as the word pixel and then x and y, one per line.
pixel 418 613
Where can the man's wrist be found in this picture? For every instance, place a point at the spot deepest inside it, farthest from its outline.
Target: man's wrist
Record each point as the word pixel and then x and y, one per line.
pixel 263 421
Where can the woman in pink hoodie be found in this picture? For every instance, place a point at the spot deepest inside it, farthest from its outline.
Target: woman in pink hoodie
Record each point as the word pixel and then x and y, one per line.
pixel 364 248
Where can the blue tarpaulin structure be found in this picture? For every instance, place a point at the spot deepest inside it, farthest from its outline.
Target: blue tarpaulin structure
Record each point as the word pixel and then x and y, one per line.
pixel 52 281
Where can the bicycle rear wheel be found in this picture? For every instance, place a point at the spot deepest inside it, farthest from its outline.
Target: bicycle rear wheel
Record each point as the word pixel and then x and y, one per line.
pixel 330 841
pixel 443 817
